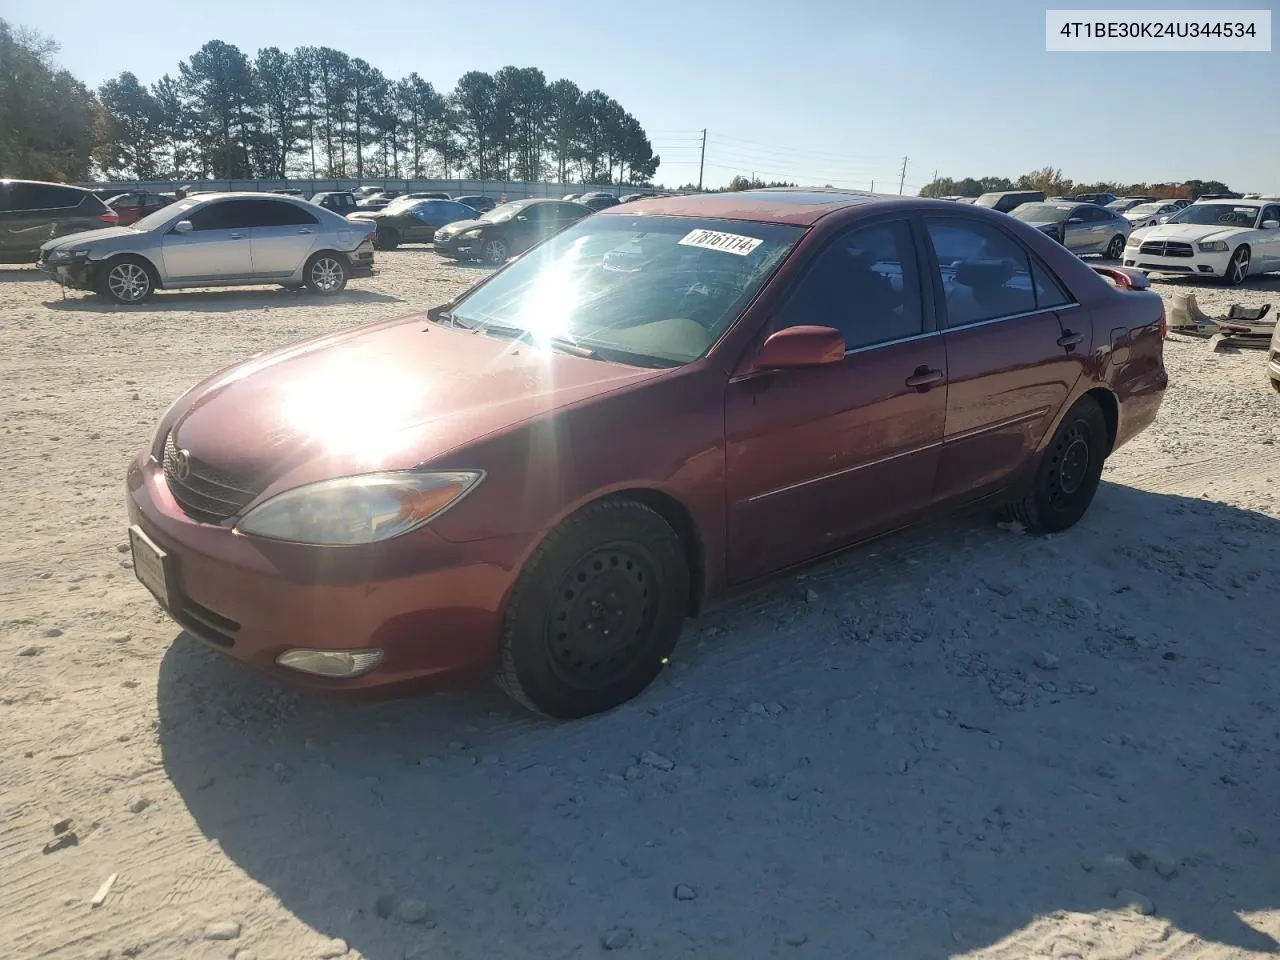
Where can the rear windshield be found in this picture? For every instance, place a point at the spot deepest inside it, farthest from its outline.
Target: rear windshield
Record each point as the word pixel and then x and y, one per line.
pixel 649 291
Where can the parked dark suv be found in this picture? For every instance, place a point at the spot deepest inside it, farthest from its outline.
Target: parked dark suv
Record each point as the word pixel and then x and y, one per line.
pixel 32 213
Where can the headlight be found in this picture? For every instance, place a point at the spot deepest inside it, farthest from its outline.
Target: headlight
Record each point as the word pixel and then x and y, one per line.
pixel 1213 246
pixel 1133 241
pixel 63 256
pixel 364 509
pixel 473 232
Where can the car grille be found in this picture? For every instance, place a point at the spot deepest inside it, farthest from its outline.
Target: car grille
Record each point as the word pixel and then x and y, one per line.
pixel 1163 248
pixel 205 493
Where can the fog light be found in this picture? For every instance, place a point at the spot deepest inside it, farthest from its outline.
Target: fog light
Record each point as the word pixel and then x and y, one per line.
pixel 331 663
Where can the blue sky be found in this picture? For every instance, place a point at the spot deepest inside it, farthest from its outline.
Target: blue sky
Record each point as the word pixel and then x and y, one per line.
pixel 820 91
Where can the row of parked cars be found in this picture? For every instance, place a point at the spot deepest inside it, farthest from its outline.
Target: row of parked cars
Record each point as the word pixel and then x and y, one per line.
pixel 1224 236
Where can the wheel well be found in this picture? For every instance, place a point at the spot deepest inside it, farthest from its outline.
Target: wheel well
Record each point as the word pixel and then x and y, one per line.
pixel 674 512
pixel 151 267
pixel 1110 410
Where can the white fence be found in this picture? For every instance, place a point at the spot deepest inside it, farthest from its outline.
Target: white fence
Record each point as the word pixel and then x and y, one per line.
pixel 512 190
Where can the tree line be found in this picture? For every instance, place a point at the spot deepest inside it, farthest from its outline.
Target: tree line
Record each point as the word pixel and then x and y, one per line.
pixel 313 112
pixel 1051 182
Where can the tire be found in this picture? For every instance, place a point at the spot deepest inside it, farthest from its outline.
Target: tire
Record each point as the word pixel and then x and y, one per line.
pixel 611 551
pixel 1238 268
pixel 494 252
pixel 1275 384
pixel 387 238
pixel 1115 249
pixel 1067 475
pixel 127 280
pixel 326 274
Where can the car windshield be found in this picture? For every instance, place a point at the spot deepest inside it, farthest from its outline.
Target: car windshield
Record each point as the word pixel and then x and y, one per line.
pixel 652 291
pixel 164 215
pixel 1042 212
pixel 503 212
pixel 1227 214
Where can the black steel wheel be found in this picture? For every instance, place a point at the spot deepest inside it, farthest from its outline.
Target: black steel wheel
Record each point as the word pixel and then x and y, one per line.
pixel 1068 473
pixel 596 611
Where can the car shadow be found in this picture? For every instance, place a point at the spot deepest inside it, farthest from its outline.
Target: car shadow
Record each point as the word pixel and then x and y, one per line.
pixel 16 273
pixel 918 749
pixel 1258 283
pixel 219 301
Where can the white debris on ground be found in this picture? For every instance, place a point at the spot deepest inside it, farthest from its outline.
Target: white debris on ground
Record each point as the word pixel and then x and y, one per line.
pixel 952 742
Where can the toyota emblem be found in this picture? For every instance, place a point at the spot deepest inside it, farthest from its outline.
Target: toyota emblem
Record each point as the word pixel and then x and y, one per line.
pixel 180 464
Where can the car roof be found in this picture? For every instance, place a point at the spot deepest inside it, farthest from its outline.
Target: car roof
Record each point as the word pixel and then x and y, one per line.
pixel 799 206
pixel 51 183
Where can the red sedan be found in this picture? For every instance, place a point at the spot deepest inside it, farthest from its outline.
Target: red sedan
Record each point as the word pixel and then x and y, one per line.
pixel 132 207
pixel 666 402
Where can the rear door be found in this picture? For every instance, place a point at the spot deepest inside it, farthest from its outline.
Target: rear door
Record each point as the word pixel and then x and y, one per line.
pixel 217 248
pixel 284 234
pixel 820 457
pixel 1015 343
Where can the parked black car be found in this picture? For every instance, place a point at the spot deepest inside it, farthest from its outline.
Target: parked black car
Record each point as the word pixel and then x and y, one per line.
pixel 507 230
pixel 32 213
pixel 599 201
pixel 339 201
pixel 1006 200
pixel 412 221
pixel 478 203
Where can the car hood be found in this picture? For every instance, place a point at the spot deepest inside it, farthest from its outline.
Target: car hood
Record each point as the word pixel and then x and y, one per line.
pixel 458 226
pixel 77 240
pixel 389 396
pixel 1190 231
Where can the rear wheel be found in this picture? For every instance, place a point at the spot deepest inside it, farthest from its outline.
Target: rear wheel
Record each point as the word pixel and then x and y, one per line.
pixel 1115 249
pixel 595 612
pixel 1067 476
pixel 127 280
pixel 1238 268
pixel 387 238
pixel 326 273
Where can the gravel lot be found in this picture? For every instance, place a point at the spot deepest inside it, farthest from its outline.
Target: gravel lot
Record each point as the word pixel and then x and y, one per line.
pixel 960 741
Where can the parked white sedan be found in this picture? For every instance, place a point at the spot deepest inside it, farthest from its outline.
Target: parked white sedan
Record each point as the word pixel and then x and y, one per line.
pixel 1228 239
pixel 1149 214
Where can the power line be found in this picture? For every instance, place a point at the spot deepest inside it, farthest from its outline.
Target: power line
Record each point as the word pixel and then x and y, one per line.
pixel 773 147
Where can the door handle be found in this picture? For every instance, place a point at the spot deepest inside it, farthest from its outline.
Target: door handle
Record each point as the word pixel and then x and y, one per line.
pixel 237 236
pixel 305 230
pixel 1069 339
pixel 924 378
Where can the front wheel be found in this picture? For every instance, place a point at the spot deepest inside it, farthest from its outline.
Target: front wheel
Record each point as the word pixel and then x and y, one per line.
pixel 595 612
pixel 1067 476
pixel 127 280
pixel 326 274
pixel 1115 249
pixel 1238 268
pixel 494 252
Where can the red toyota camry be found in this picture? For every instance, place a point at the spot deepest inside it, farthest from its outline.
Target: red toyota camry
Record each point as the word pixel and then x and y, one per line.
pixel 667 401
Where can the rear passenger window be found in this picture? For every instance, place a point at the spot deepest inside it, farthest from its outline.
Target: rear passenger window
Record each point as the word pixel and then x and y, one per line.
pixel 865 284
pixel 985 274
pixel 279 213
pixel 41 196
pixel 1049 292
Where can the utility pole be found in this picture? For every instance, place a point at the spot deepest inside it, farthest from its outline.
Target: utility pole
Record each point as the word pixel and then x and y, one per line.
pixel 904 175
pixel 873 186
pixel 702 159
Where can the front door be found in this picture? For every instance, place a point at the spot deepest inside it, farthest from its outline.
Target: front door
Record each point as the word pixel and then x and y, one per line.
pixel 1015 345
pixel 217 248
pixel 1268 242
pixel 818 458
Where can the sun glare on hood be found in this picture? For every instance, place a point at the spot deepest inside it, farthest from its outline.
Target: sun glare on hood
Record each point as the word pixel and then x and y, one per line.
pixel 352 409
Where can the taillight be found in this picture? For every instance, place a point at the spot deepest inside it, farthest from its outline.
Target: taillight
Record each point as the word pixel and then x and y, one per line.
pixel 1164 322
pixel 110 217
pixel 371 236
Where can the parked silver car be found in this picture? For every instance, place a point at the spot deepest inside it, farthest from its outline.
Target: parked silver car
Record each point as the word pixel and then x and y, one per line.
pixel 215 240
pixel 1080 227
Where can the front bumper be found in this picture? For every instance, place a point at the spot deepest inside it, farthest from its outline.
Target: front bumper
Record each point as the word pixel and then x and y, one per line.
pixel 432 606
pixel 78 274
pixel 459 247
pixel 1198 264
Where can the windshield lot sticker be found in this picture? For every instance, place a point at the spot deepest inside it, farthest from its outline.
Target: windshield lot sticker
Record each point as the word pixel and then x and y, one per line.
pixel 714 240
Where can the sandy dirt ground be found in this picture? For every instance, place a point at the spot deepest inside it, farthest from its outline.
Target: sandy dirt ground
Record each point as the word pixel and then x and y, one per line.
pixel 961 741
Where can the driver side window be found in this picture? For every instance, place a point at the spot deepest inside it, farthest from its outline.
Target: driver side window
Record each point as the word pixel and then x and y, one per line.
pixel 866 284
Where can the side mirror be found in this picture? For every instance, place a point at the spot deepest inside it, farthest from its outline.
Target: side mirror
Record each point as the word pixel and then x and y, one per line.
pixel 1164 218
pixel 183 226
pixel 1270 224
pixel 800 347
pixel 522 217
